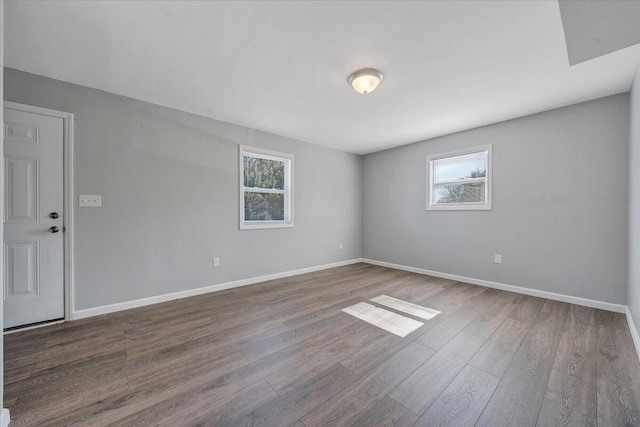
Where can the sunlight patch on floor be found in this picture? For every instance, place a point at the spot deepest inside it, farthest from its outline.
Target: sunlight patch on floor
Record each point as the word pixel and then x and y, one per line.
pixel 406 307
pixel 384 319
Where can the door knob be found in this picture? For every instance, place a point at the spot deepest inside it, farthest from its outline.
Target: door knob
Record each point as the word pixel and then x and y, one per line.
pixel 54 215
pixel 54 229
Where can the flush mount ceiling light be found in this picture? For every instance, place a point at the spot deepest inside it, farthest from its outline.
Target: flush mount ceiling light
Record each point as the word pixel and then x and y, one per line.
pixel 365 81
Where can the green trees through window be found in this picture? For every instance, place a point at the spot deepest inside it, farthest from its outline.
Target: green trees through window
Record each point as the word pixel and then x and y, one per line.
pixel 263 173
pixel 265 188
pixel 263 207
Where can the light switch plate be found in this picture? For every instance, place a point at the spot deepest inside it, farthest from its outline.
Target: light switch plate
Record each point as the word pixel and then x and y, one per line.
pixel 85 201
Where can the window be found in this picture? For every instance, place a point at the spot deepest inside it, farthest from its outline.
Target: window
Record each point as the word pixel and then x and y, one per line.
pixel 460 180
pixel 266 189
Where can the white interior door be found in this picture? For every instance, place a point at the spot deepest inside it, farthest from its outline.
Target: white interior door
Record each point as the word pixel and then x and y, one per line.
pixel 33 281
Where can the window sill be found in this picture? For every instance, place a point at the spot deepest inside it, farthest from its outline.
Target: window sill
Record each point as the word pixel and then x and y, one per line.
pixel 264 225
pixel 460 208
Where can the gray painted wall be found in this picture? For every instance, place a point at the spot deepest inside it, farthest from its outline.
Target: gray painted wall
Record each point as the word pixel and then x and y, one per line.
pixel 169 183
pixel 559 215
pixel 1 199
pixel 169 186
pixel 633 296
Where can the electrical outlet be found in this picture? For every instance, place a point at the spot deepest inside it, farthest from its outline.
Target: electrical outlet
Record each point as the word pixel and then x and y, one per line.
pixel 341 247
pixel 498 259
pixel 216 261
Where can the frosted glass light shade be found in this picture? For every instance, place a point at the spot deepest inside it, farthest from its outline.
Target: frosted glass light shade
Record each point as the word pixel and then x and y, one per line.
pixel 365 81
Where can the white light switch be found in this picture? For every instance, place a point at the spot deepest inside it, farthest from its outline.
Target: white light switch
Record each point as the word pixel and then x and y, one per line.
pixel 498 259
pixel 85 201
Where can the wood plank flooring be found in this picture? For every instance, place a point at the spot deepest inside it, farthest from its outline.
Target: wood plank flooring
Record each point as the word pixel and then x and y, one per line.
pixel 282 353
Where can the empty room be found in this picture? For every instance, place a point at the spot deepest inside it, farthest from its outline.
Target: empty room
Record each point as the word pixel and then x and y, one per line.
pixel 320 213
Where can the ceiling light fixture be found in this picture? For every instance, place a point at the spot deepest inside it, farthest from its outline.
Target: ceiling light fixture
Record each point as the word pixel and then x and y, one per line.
pixel 365 81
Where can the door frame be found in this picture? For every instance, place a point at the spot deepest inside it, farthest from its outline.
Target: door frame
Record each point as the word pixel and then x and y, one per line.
pixel 67 149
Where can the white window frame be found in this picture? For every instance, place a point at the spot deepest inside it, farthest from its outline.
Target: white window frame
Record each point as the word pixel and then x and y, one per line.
pixel 486 206
pixel 288 188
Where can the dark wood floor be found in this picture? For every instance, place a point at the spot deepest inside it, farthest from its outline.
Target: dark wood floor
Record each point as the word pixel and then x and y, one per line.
pixel 282 353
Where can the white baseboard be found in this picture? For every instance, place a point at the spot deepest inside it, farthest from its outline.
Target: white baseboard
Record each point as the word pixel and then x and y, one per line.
pixel 96 311
pixel 4 417
pixel 634 332
pixel 618 308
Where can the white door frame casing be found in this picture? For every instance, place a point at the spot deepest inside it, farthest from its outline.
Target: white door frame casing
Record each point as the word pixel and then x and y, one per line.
pixel 67 119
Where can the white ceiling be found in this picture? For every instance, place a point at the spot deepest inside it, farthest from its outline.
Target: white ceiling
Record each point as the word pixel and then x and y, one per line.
pixel 282 67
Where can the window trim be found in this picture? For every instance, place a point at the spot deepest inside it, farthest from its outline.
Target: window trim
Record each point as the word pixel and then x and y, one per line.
pixel 288 188
pixel 487 206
